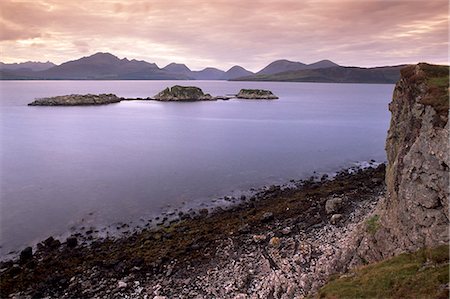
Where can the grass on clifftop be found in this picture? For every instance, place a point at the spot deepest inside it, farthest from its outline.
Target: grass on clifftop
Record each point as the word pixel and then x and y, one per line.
pixel 423 274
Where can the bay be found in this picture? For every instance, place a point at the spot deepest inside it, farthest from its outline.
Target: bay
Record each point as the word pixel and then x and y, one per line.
pixel 99 165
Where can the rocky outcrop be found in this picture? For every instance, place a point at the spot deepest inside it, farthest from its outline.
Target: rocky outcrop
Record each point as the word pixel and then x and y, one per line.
pixel 415 212
pixel 256 94
pixel 183 93
pixel 77 100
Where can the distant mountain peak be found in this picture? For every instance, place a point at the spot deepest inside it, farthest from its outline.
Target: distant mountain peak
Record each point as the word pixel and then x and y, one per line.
pixel 236 71
pixel 178 68
pixel 281 65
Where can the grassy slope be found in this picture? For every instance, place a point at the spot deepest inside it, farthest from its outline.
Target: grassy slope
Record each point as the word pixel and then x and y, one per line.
pixel 422 274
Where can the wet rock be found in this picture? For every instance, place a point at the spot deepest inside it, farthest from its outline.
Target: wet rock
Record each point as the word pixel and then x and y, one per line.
pixel 333 205
pixel 203 212
pixel 51 243
pixel 26 254
pixel 71 242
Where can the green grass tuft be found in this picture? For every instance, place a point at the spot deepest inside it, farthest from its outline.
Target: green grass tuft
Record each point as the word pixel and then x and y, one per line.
pixel 423 274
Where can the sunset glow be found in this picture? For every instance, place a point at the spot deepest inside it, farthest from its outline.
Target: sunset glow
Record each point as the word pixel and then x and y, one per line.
pixel 223 33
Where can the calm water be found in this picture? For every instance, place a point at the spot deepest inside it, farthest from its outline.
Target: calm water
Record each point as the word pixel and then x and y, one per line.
pixel 64 165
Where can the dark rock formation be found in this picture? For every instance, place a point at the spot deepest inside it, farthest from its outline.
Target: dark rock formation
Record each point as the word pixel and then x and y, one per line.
pixel 256 94
pixel 26 254
pixel 182 93
pixel 415 212
pixel 77 100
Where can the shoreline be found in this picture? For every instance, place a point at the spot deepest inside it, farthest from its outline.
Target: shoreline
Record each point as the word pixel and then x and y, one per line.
pixel 151 253
pixel 87 232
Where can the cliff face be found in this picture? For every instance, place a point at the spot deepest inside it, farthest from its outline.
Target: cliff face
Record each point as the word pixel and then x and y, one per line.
pixel 415 212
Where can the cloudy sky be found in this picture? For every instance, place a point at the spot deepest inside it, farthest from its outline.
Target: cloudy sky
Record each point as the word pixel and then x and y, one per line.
pixel 222 33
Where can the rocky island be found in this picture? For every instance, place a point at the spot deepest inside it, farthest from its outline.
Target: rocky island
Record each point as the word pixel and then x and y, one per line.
pixel 77 100
pixel 256 94
pixel 179 93
pixel 175 93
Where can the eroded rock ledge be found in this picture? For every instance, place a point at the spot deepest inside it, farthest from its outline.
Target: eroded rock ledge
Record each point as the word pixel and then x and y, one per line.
pixel 77 100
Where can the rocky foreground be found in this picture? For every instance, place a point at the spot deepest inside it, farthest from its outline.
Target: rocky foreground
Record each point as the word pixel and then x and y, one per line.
pixel 281 243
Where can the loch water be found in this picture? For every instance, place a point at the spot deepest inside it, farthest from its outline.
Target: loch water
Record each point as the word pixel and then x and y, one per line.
pixel 65 167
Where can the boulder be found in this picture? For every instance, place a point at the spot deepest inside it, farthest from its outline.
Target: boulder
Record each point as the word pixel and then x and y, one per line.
pixel 179 93
pixel 256 94
pixel 26 254
pixel 72 242
pixel 336 218
pixel 333 205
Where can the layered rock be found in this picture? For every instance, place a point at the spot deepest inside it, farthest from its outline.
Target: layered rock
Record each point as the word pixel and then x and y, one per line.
pixel 256 94
pixel 183 93
pixel 77 100
pixel 415 212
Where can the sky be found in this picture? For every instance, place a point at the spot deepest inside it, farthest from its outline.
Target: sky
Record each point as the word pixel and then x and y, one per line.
pixel 223 33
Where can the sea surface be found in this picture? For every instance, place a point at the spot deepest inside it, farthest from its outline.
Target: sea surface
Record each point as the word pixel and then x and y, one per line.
pixel 66 167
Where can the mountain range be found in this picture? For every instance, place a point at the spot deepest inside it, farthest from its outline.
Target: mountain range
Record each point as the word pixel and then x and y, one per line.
pixel 105 66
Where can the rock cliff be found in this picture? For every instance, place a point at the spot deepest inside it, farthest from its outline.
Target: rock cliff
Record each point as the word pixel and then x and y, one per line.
pixel 415 212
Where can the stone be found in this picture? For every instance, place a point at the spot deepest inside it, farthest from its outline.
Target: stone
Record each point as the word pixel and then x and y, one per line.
pixel 267 216
pixel 274 242
pixel 71 242
pixel 179 93
pixel 26 254
pixel 286 231
pixel 333 205
pixel 203 212
pixel 51 243
pixel 122 284
pixel 336 218
pixel 259 238
pixel 256 94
